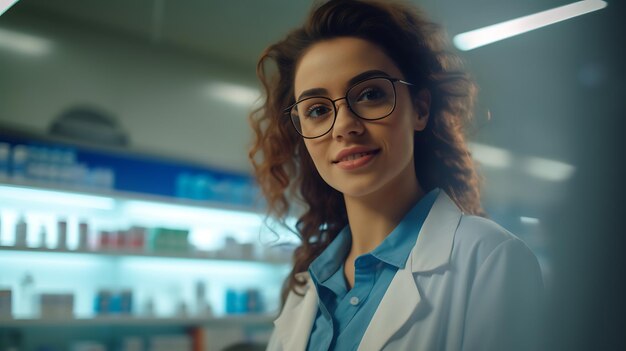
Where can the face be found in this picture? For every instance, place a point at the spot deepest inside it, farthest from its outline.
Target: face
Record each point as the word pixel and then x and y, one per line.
pixel 360 157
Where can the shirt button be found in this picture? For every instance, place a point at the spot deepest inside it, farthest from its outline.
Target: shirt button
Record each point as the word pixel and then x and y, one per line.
pixel 354 300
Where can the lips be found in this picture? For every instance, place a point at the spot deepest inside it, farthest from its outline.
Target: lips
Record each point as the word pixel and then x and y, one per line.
pixel 353 153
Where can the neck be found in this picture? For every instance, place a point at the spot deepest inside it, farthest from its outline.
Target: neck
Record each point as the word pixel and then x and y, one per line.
pixel 373 217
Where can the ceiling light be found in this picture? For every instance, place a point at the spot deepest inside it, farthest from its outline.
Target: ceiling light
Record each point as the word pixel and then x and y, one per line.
pixel 529 220
pixel 547 169
pixel 5 5
pixel 24 43
pixel 487 35
pixel 490 155
pixel 234 93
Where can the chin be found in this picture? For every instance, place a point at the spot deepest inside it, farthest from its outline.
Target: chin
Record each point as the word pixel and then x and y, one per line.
pixel 355 188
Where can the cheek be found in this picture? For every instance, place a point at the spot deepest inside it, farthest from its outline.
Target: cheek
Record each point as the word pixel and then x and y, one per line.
pixel 316 151
pixel 400 138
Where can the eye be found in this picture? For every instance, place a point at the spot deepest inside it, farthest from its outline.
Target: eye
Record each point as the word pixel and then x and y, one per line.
pixel 371 94
pixel 317 111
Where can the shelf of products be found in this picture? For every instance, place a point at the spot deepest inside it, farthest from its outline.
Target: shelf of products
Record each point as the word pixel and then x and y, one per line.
pixel 111 248
pixel 135 240
pixel 195 289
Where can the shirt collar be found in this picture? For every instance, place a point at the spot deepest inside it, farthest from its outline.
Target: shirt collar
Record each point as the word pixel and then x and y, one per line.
pixel 394 250
pixel 396 247
pixel 329 261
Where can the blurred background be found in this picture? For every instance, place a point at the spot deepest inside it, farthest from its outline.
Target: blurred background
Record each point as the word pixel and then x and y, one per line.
pixel 129 219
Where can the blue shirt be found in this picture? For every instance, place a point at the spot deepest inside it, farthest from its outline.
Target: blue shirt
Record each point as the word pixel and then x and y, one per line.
pixel 343 314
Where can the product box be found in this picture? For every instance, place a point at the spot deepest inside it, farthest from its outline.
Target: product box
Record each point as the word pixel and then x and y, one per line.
pixel 132 343
pixel 6 304
pixel 169 240
pixel 244 301
pixel 113 302
pixel 103 302
pixel 87 346
pixel 56 305
pixel 171 342
pixel 107 240
pixel 134 239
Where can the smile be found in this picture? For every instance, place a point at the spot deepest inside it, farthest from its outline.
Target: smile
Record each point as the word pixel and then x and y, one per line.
pixel 355 156
pixel 354 160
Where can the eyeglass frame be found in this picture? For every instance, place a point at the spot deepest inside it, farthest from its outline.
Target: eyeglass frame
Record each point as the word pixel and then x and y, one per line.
pixel 287 110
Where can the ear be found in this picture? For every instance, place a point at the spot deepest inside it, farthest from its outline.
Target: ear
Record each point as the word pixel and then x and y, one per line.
pixel 421 105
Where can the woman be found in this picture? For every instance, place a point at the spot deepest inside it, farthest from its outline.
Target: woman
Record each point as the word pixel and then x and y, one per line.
pixel 363 123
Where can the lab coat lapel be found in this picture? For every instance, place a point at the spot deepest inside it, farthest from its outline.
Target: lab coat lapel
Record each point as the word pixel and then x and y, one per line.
pixel 435 240
pixel 399 302
pixel 294 324
pixel 431 251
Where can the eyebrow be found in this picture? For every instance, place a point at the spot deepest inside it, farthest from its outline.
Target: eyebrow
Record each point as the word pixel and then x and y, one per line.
pixel 359 77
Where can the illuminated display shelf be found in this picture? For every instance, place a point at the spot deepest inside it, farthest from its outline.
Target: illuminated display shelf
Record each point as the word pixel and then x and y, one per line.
pixel 161 276
pixel 116 195
pixel 226 246
pixel 198 256
pixel 129 209
pixel 129 321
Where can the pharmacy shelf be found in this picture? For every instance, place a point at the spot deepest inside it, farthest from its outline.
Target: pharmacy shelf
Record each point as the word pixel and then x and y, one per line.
pixel 129 321
pixel 28 185
pixel 202 256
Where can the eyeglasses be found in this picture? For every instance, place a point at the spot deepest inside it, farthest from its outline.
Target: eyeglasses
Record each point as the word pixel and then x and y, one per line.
pixel 370 99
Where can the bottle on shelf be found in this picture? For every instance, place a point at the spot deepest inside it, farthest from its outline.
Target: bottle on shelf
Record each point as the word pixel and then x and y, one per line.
pixel 21 232
pixel 203 308
pixel 43 237
pixel 5 152
pixel 182 310
pixel 6 303
pixel 27 295
pixel 148 308
pixel 83 235
pixel 62 234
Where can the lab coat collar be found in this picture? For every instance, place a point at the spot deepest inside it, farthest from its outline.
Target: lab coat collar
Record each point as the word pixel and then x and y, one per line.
pixel 294 324
pixel 434 242
pixel 432 250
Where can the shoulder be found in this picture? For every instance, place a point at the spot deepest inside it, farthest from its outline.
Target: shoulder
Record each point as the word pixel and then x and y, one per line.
pixel 479 239
pixel 503 285
pixel 474 230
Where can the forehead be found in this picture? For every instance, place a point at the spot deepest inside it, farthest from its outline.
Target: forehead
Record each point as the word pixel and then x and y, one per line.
pixel 330 64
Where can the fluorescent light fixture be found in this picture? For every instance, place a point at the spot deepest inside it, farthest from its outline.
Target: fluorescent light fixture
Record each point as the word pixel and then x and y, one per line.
pixel 5 5
pixel 57 199
pixel 24 43
pixel 529 220
pixel 234 93
pixel 487 35
pixel 491 156
pixel 551 170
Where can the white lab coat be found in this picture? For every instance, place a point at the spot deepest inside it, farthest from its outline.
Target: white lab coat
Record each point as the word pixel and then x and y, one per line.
pixel 468 284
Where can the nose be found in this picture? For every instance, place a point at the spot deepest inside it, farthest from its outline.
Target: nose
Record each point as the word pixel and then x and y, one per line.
pixel 346 123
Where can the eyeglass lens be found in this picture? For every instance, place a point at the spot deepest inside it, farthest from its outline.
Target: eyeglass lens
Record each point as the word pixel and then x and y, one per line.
pixel 370 99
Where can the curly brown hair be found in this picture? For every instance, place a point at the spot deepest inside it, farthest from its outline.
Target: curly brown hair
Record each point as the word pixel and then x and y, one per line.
pixel 282 164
